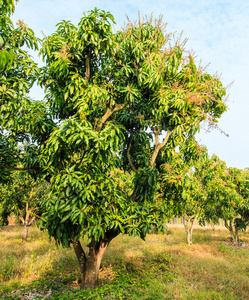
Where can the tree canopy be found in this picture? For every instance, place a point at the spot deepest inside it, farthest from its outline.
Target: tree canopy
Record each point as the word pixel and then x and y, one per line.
pixel 184 185
pixel 227 193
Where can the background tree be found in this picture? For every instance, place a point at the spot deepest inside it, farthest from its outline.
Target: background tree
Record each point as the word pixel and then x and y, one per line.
pixel 122 103
pixel 228 194
pixel 22 198
pixel 184 184
pixel 241 180
pixel 24 123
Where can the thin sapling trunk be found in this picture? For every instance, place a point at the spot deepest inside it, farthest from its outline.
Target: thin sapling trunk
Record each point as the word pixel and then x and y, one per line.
pixel 27 221
pixel 189 226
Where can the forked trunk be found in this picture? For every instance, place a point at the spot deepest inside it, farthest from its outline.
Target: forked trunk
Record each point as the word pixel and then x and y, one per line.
pixel 90 264
pixel 236 236
pixel 26 222
pixel 231 226
pixel 189 226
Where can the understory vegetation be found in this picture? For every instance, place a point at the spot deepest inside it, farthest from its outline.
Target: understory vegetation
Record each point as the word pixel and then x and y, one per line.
pixel 161 267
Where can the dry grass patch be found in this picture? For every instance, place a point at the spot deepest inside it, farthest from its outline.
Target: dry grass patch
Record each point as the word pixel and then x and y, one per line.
pixel 161 267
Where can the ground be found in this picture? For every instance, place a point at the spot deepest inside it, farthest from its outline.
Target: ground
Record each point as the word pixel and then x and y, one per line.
pixel 161 267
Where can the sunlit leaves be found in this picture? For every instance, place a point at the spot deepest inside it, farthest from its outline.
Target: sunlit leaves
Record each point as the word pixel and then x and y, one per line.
pixel 7 6
pixel 72 55
pixel 95 31
pixel 184 181
pixel 116 96
pixel 9 154
pixel 74 139
pixel 229 189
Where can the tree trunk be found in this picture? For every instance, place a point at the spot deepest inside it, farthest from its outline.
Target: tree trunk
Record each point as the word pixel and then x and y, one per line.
pixel 90 264
pixel 95 255
pixel 189 226
pixel 212 225
pixel 25 233
pixel 236 236
pixel 26 221
pixel 26 225
pixel 234 232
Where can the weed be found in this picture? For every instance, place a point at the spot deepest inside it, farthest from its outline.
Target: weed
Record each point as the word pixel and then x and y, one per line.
pixel 6 268
pixel 224 248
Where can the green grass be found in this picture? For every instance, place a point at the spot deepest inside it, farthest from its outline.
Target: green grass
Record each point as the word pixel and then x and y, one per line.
pixel 162 267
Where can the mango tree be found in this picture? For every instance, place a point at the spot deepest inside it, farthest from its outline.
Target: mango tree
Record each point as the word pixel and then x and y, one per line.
pixel 22 198
pixel 24 124
pixel 241 180
pixel 121 102
pixel 184 184
pixel 228 190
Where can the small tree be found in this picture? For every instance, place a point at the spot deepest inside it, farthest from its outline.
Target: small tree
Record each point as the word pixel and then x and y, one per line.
pixel 184 184
pixel 22 197
pixel 229 192
pixel 241 178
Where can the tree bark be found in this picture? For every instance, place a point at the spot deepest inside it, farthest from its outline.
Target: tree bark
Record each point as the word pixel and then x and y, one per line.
pixel 95 255
pixel 81 256
pixel 90 264
pixel 233 231
pixel 107 114
pixel 212 225
pixel 128 154
pixel 26 221
pixel 158 146
pixel 189 226
pixel 236 236
pixel 25 233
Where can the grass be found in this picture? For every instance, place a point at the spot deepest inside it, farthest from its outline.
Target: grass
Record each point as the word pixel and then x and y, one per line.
pixel 162 267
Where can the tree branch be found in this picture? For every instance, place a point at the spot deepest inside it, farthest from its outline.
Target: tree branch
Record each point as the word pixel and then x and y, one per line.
pixel 22 220
pixel 108 113
pixel 158 147
pixel 129 156
pixel 27 211
pixel 82 157
pixel 88 58
pixel 31 221
pixel 13 168
pixel 120 106
pixel 156 132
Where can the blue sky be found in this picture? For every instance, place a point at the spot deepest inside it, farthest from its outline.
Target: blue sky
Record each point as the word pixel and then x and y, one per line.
pixel 217 31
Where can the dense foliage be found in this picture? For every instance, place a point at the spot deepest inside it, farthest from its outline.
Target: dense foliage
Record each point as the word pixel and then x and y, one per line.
pixel 25 123
pixel 184 185
pixel 227 193
pixel 112 93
